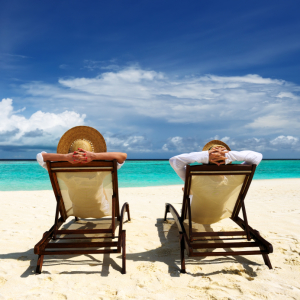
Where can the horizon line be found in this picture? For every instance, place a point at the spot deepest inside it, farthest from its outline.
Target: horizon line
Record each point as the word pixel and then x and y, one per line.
pixel 135 159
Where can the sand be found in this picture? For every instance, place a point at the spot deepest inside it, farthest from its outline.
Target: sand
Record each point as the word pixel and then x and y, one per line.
pixel 152 251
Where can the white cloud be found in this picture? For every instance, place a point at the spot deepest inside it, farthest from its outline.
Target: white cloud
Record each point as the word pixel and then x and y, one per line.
pixel 251 101
pixel 39 129
pixel 264 144
pixel 287 95
pixel 181 145
pixel 127 143
pixel 286 142
pixel 279 122
pixel 225 139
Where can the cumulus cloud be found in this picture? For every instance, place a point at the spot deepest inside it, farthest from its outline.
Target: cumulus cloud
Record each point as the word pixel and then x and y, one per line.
pixel 41 128
pixel 159 112
pixel 180 144
pixel 286 142
pixel 127 143
pixel 240 103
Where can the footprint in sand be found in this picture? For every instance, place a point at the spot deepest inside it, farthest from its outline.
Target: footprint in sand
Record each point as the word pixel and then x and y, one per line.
pixel 59 296
pixel 111 292
pixel 147 268
pixel 2 281
pixel 200 284
pixel 292 262
pixel 257 295
pixel 196 269
pixel 49 278
pixel 141 234
pixel 282 250
pixel 239 270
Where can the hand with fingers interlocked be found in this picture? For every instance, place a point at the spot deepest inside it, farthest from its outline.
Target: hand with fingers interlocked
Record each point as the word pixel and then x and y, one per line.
pixel 71 158
pixel 217 155
pixel 83 156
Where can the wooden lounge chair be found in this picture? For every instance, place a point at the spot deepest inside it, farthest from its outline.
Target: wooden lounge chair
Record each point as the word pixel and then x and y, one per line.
pixel 218 192
pixel 85 191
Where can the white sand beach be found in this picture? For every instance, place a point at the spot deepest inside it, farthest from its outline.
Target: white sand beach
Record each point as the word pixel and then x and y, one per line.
pixel 153 259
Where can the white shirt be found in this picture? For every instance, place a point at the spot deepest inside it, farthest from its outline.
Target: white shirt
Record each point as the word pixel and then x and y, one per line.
pixel 179 162
pixel 40 160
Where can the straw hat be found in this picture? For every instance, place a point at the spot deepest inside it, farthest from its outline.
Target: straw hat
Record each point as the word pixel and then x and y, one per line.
pixel 215 143
pixel 84 137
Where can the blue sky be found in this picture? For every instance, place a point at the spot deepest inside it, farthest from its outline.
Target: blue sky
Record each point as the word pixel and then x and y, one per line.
pixel 156 78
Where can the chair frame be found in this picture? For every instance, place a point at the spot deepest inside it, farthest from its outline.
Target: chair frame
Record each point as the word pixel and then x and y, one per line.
pixel 43 247
pixel 192 240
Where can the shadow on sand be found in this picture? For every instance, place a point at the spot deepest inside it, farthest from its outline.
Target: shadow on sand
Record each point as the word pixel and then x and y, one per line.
pixel 168 253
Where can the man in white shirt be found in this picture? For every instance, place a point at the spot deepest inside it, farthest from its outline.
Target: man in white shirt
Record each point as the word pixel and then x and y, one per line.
pixel 214 152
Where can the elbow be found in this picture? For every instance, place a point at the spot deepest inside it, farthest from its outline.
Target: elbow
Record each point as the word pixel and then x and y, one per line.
pixel 259 158
pixel 123 157
pixel 171 161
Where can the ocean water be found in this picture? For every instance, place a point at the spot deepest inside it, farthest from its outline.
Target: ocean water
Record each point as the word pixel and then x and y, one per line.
pixel 29 176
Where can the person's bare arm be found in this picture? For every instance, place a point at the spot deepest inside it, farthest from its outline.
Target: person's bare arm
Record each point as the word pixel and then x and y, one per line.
pixel 61 157
pixel 87 156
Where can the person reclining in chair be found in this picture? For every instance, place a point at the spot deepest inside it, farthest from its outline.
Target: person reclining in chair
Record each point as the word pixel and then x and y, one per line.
pixel 81 145
pixel 219 153
pixel 211 194
pixel 214 152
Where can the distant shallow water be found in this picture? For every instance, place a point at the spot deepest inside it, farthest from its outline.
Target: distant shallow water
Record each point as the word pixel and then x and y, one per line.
pixel 29 176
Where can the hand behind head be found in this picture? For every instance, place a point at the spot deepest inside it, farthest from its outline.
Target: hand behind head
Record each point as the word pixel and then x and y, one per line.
pixel 217 155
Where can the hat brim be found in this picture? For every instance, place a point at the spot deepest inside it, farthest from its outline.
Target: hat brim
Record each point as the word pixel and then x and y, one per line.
pixel 81 132
pixel 215 142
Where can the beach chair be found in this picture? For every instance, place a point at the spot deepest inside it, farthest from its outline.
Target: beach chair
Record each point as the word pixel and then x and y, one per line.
pixel 218 192
pixel 88 192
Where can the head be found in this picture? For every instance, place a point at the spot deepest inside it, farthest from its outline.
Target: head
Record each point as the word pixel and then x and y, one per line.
pixel 83 137
pixel 215 144
pixel 81 144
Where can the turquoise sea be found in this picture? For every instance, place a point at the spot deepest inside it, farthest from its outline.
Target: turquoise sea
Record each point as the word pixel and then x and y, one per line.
pixel 29 176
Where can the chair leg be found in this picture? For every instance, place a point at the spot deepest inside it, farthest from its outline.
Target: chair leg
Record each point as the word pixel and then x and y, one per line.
pixel 267 261
pixel 266 258
pixel 166 212
pixel 123 252
pixel 128 213
pixel 182 259
pixel 39 264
